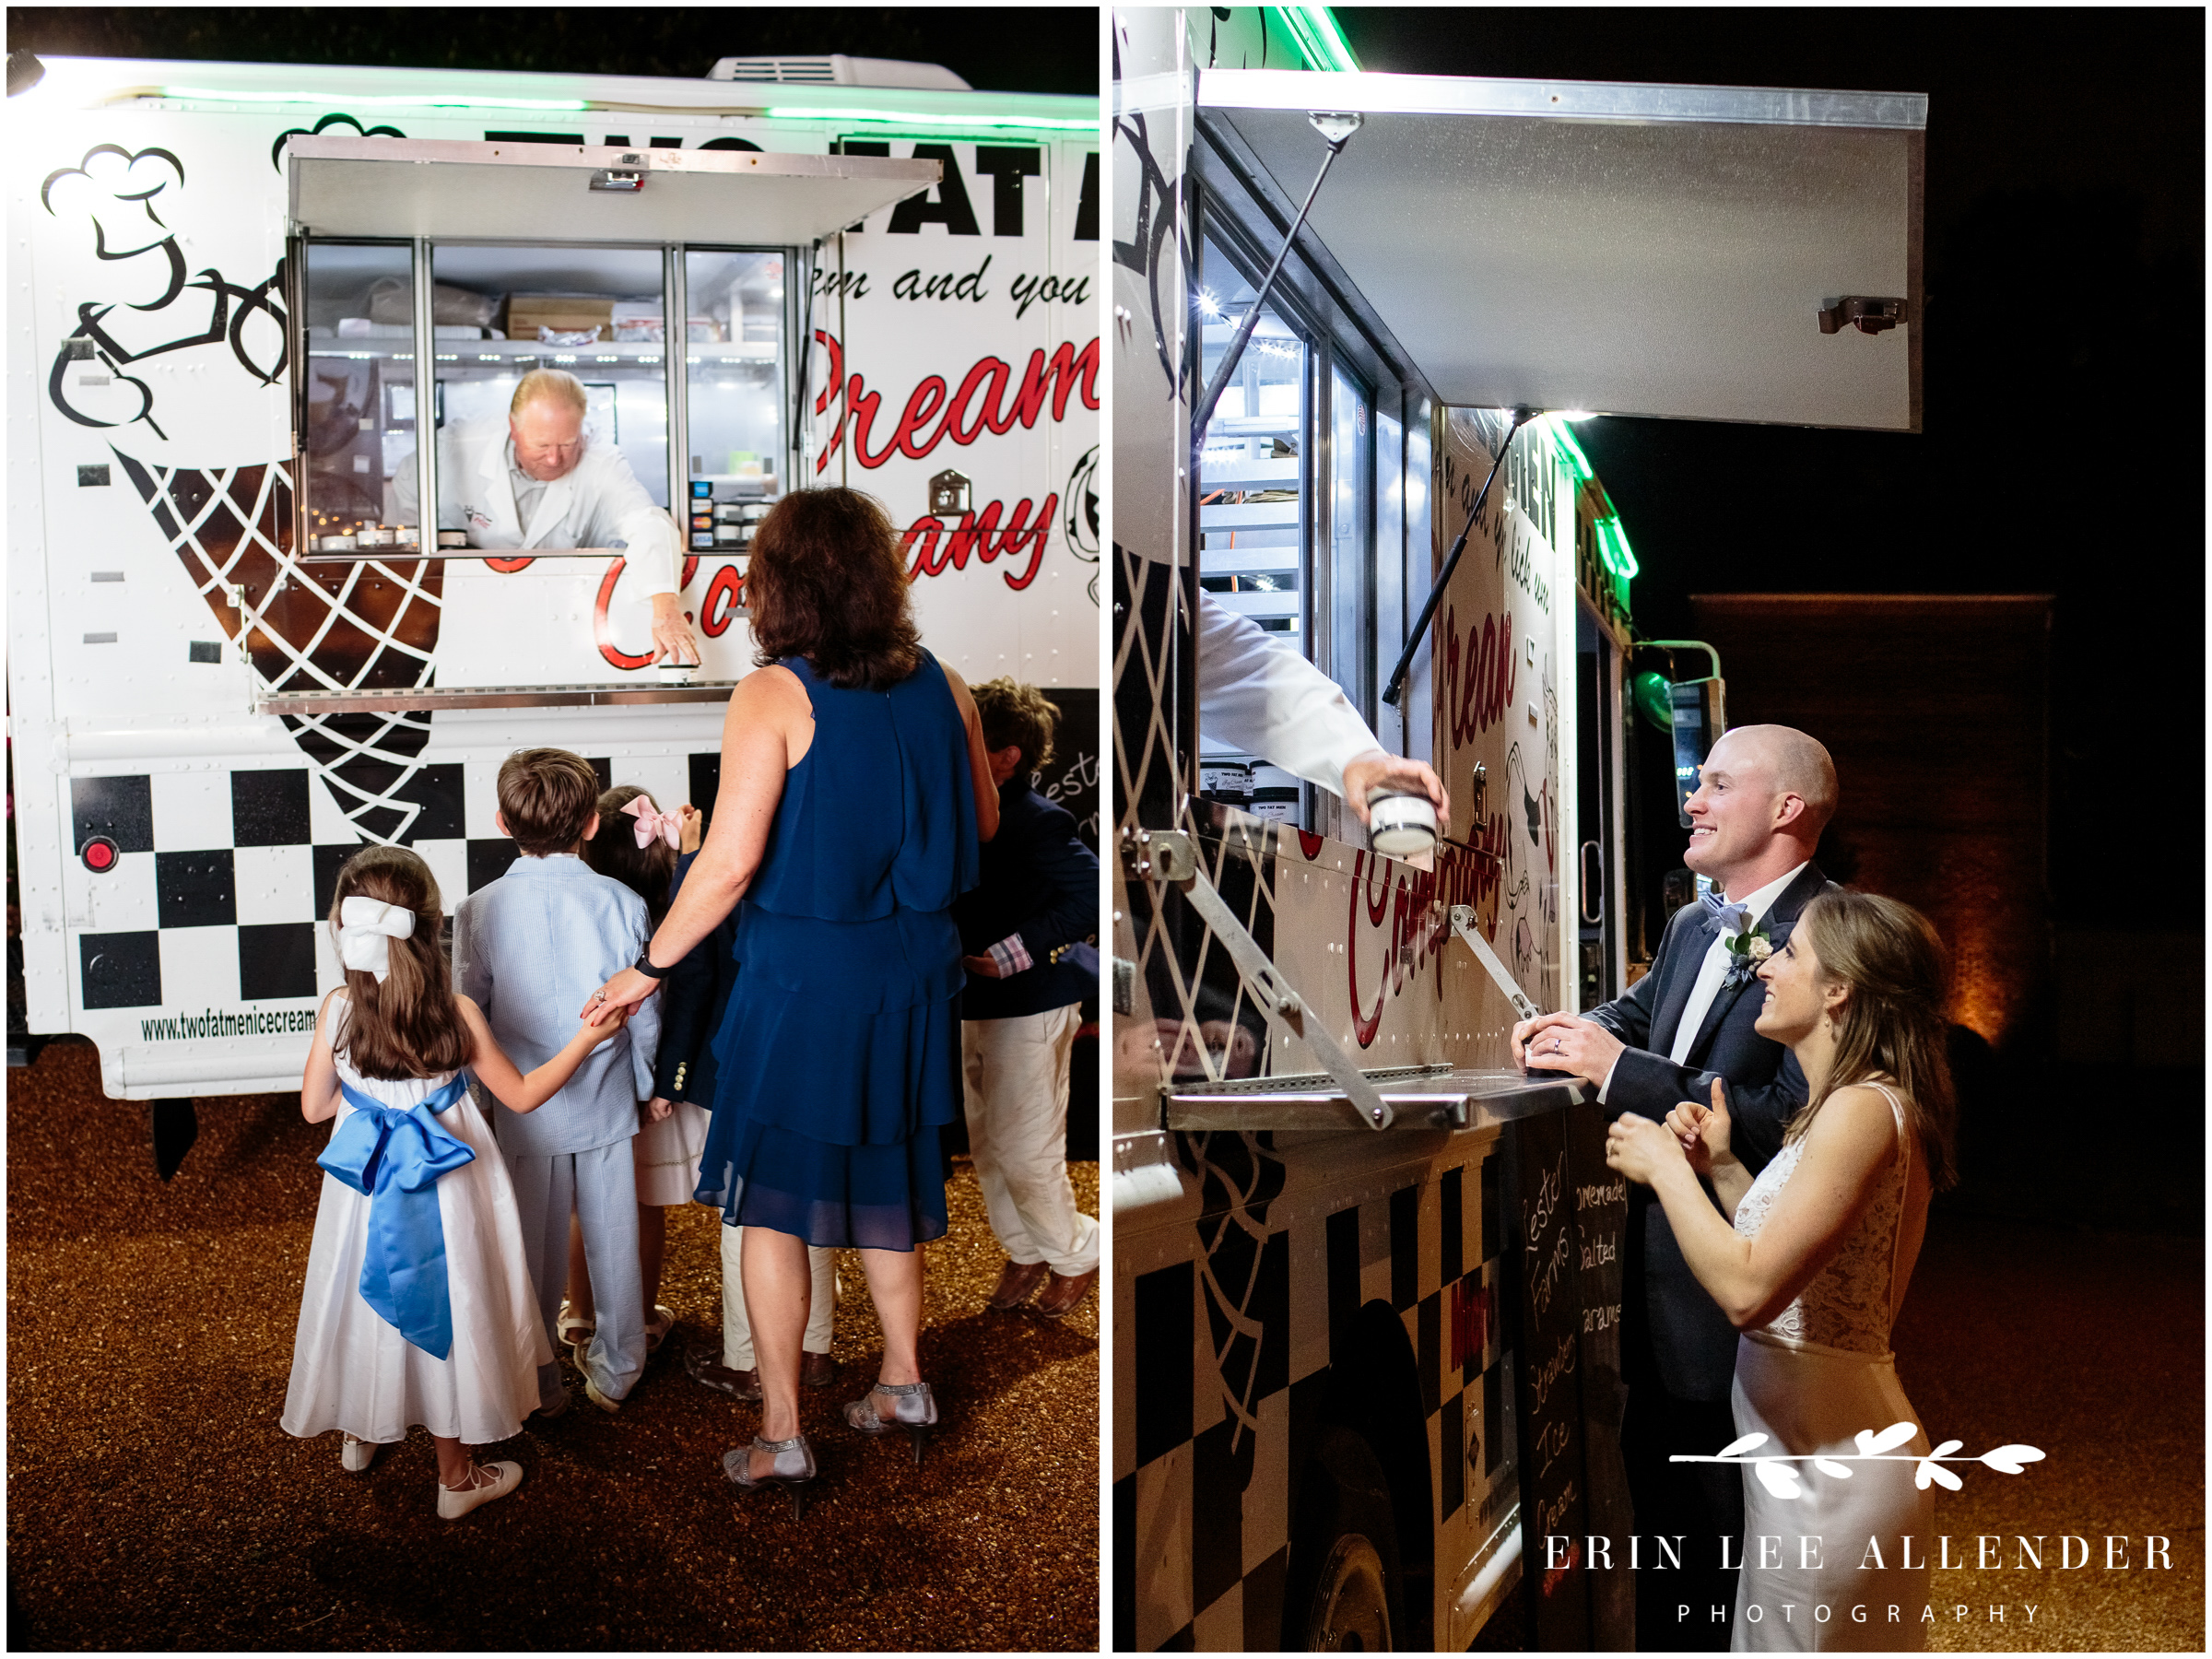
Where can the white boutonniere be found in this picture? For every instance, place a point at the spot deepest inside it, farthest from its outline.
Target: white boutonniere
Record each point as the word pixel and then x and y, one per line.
pixel 1750 946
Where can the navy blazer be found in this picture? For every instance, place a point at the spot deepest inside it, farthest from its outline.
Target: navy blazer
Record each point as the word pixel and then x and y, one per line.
pixel 1041 881
pixel 1692 1340
pixel 693 996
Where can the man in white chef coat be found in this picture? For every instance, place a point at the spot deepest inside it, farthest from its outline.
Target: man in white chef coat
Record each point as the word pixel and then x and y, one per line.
pixel 536 481
pixel 1261 695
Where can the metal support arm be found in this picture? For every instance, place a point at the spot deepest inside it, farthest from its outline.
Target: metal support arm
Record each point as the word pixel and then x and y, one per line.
pixel 1462 923
pixel 1169 855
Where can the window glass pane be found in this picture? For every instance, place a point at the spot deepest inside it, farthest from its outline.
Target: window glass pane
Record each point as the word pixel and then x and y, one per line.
pixel 1254 511
pixel 1351 529
pixel 361 393
pixel 1421 567
pixel 1251 514
pixel 738 408
pixel 1390 560
pixel 595 313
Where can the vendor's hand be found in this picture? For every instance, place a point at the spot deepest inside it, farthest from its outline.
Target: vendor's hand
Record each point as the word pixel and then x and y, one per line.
pixel 983 965
pixel 1560 1042
pixel 672 641
pixel 658 1108
pixel 695 828
pixel 1364 772
pixel 1703 1130
pixel 627 989
pixel 1640 1149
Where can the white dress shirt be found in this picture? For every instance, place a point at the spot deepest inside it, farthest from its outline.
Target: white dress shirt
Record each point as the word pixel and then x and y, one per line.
pixel 1258 694
pixel 1719 958
pixel 597 503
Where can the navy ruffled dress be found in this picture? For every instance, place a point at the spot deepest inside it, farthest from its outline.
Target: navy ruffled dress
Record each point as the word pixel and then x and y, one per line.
pixel 840 1054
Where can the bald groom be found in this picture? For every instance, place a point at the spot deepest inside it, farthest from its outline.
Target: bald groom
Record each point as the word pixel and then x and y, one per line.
pixel 1764 794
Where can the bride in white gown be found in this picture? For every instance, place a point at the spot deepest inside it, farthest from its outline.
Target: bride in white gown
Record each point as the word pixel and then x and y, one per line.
pixel 1813 1269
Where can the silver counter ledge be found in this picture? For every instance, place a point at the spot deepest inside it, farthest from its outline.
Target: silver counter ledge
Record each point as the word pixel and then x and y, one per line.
pixel 1441 1098
pixel 612 695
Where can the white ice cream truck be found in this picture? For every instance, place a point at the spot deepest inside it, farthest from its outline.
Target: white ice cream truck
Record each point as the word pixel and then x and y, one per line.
pixel 234 654
pixel 1369 1278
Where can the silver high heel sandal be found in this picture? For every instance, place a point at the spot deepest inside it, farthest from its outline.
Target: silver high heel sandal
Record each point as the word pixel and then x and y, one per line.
pixel 793 1468
pixel 915 1411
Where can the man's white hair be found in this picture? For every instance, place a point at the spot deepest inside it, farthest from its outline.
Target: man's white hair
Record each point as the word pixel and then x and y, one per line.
pixel 548 386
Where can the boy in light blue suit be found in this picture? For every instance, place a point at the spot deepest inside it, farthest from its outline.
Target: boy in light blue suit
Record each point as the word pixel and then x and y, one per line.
pixel 530 949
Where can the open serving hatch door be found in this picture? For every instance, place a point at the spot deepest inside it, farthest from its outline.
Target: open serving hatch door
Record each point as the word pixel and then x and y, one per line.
pixel 391 187
pixel 1624 249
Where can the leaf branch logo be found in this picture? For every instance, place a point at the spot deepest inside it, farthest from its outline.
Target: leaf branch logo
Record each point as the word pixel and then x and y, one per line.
pixel 1775 1472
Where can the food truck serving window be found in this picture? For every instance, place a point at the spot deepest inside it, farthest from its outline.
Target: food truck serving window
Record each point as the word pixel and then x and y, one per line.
pixel 684 353
pixel 356 434
pixel 1301 495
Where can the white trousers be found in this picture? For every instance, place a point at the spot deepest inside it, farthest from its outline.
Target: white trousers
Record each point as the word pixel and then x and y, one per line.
pixel 1016 1076
pixel 737 1329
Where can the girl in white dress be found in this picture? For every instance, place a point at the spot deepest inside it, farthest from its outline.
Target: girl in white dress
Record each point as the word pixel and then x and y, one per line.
pixel 417 1308
pixel 1812 1270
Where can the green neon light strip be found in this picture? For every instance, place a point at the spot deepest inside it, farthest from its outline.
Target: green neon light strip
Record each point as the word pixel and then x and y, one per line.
pixel 438 101
pixel 360 101
pixel 1338 49
pixel 1319 39
pixel 1613 548
pixel 1580 462
pixel 1049 124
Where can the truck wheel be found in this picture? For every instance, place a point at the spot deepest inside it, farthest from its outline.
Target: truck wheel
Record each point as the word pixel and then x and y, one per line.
pixel 1344 1589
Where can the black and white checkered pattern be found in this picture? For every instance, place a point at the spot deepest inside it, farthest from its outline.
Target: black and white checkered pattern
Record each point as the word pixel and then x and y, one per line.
pixel 1236 1330
pixel 223 875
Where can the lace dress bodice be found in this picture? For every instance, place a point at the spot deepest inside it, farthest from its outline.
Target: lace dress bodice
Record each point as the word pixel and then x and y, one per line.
pixel 1848 1303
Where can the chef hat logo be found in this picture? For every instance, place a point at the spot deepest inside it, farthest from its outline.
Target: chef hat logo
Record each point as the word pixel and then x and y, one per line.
pixel 337 120
pixel 122 192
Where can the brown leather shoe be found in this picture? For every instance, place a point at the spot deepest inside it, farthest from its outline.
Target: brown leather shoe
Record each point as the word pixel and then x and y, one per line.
pixel 738 1384
pixel 1016 1284
pixel 816 1371
pixel 1062 1296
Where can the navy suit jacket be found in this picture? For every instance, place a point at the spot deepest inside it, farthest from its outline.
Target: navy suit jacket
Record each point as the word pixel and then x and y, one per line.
pixel 693 998
pixel 1691 1341
pixel 1041 881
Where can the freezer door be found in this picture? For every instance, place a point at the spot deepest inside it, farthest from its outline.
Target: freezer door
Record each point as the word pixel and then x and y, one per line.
pixel 1626 248
pixel 542 192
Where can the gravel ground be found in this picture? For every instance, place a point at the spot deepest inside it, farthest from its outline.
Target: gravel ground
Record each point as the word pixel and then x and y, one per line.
pixel 154 1502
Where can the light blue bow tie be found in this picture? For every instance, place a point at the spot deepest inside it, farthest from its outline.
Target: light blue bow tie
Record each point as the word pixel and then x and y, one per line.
pixel 1723 916
pixel 393 1158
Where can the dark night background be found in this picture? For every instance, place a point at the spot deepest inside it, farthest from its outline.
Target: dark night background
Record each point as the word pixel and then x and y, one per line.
pixel 2063 440
pixel 1040 49
pixel 2062 453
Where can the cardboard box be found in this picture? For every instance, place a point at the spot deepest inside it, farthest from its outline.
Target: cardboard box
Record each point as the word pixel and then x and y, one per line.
pixel 526 314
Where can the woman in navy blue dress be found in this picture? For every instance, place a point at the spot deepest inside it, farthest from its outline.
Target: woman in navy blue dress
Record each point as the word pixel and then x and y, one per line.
pixel 854 789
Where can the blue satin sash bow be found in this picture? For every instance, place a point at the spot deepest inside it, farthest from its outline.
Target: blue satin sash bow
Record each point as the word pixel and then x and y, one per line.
pixel 393 1158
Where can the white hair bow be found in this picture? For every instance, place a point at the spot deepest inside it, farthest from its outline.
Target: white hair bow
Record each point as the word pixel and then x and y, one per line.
pixel 366 929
